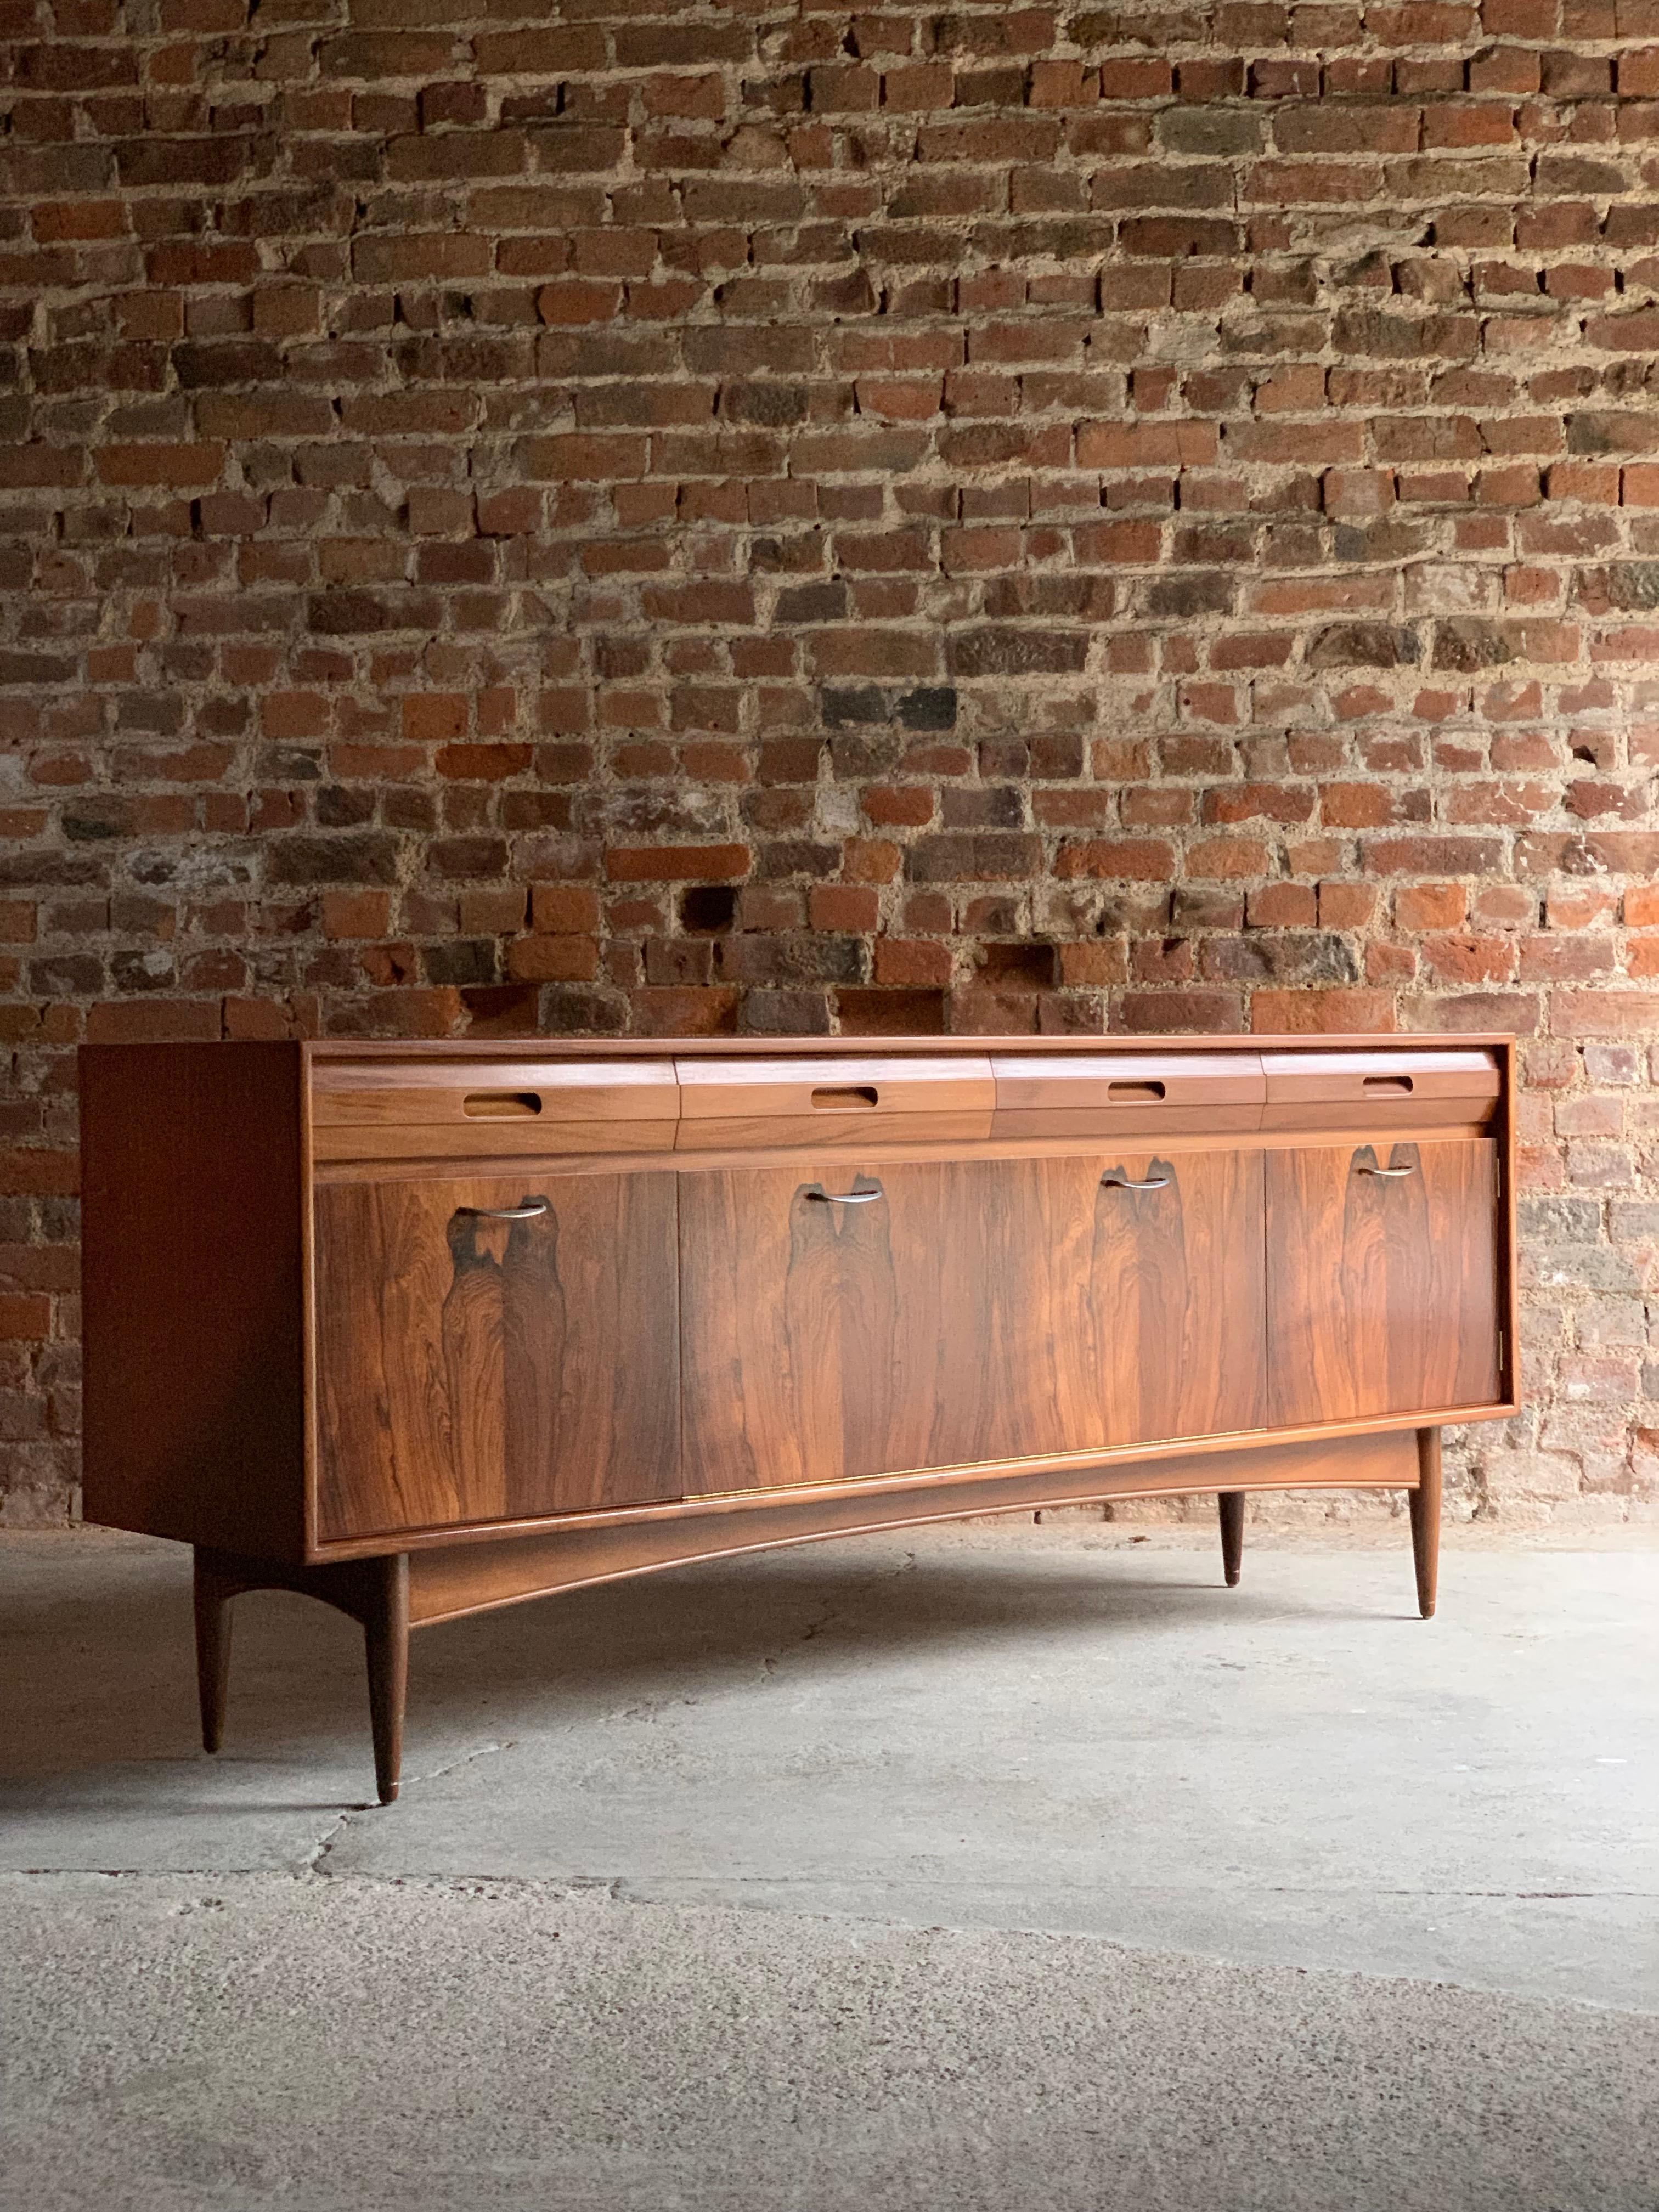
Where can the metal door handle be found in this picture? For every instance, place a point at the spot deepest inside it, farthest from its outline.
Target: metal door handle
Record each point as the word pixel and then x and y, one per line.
pixel 532 1210
pixel 846 1197
pixel 1391 1174
pixel 1127 1182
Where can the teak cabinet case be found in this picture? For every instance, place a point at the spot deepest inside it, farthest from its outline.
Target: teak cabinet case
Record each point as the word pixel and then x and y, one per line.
pixel 423 1328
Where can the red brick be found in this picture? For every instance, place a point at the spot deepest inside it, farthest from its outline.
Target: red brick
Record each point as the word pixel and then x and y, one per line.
pixel 1606 1014
pixel 715 533
pixel 846 907
pixel 432 716
pixel 25 1316
pixel 676 863
pixel 564 908
pixel 919 962
pixel 1122 859
pixel 1470 959
pixel 482 763
pixel 173 465
pixel 1325 1012
pixel 562 959
pixel 155 1021
pixel 357 914
pixel 1430 907
pixel 42 1173
pixel 1284 906
pixel 1346 906
pixel 1146 445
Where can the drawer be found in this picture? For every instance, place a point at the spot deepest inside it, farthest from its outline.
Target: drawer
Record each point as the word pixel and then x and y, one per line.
pixel 1412 1088
pixel 735 1103
pixel 1122 1094
pixel 494 1110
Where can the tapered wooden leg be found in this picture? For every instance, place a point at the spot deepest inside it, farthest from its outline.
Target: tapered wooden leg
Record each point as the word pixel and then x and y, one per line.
pixel 213 1596
pixel 375 1592
pixel 1425 1521
pixel 385 1641
pixel 1231 1503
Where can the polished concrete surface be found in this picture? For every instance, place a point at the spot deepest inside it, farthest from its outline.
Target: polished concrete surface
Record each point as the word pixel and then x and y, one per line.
pixel 977 1868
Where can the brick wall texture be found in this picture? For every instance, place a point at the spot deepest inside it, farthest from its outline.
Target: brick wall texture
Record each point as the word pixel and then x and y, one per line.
pixel 622 517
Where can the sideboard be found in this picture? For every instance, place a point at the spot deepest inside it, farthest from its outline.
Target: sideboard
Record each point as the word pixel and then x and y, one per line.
pixel 421 1329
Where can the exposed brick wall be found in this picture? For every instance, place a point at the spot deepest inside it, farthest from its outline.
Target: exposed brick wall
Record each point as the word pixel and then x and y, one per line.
pixel 628 517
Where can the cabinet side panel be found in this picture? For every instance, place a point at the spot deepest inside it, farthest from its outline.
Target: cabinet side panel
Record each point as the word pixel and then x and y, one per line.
pixel 193 1282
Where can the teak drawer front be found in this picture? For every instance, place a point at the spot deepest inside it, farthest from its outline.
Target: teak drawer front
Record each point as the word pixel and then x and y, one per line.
pixel 1410 1089
pixel 422 1110
pixel 471 1368
pixel 1127 1095
pixel 1382 1287
pixel 810 1103
pixel 945 1313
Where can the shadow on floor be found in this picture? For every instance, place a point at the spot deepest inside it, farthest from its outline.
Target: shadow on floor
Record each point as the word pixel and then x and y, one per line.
pixel 93 1677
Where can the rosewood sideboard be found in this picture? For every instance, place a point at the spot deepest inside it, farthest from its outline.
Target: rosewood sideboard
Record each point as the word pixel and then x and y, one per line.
pixel 422 1328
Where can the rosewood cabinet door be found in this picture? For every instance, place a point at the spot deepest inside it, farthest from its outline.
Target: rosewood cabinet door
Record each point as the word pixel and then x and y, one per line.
pixel 472 1367
pixel 1177 1298
pixel 944 1315
pixel 1381 1280
pixel 836 1325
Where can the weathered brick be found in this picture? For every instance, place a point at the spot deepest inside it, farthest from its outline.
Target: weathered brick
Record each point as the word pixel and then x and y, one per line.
pixel 748 549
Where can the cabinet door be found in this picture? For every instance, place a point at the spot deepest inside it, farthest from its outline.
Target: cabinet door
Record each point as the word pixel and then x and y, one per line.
pixel 472 1367
pixel 824 1338
pixel 1381 1280
pixel 1178 1304
pixel 944 1315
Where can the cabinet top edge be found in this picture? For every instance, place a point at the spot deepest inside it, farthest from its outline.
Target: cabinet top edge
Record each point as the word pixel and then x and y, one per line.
pixel 851 1047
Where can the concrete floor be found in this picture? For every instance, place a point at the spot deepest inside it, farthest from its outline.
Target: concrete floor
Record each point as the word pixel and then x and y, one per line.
pixel 975 1868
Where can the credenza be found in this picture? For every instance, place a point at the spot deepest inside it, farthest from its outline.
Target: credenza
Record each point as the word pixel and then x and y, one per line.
pixel 422 1328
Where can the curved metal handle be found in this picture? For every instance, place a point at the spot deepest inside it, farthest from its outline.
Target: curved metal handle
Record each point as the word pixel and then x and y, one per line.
pixel 1127 1182
pixel 531 1211
pixel 1391 1174
pixel 846 1197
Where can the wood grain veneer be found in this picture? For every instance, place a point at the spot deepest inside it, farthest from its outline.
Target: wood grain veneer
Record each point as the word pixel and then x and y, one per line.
pixel 511 1107
pixel 1382 1289
pixel 939 1314
pixel 193 1177
pixel 832 1103
pixel 399 1091
pixel 1408 1088
pixel 473 1368
pixel 462 1050
pixel 422 1327
pixel 449 1582
pixel 1151 1096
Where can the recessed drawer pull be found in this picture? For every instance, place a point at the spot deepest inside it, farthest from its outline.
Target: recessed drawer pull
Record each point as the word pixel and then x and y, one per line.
pixel 856 1094
pixel 846 1197
pixel 501 1105
pixel 1127 1182
pixel 1397 1086
pixel 1137 1093
pixel 532 1210
pixel 1391 1174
